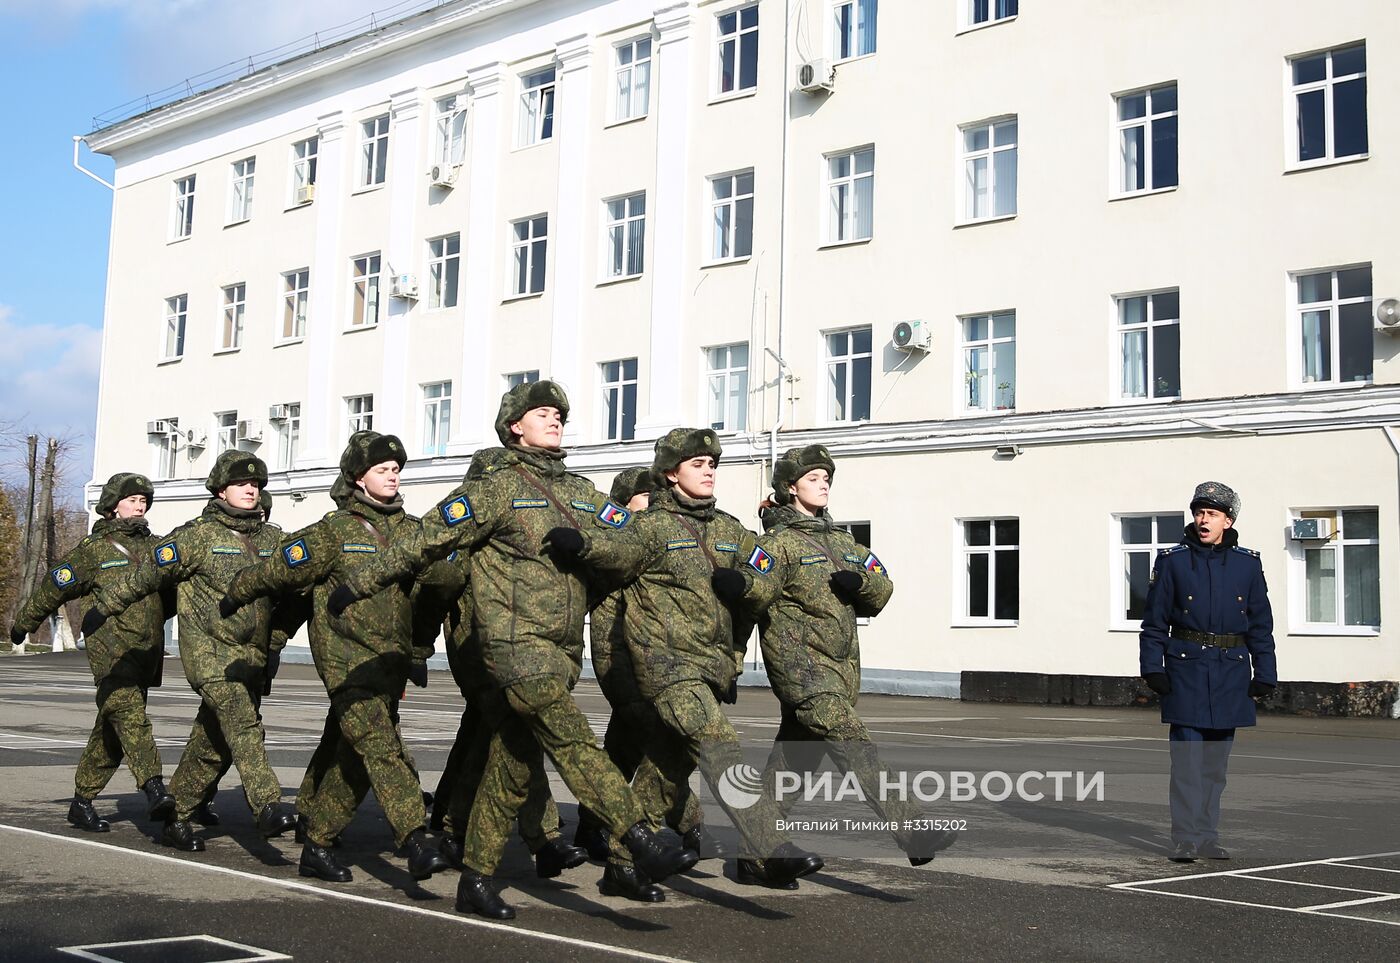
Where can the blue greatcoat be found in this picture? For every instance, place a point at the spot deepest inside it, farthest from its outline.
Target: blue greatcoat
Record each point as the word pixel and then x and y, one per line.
pixel 1217 589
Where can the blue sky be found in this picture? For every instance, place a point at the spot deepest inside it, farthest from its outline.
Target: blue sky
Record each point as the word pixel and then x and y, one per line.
pixel 62 62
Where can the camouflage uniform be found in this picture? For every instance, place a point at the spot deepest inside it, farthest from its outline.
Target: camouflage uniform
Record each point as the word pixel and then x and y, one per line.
pixel 126 654
pixel 225 659
pixel 363 656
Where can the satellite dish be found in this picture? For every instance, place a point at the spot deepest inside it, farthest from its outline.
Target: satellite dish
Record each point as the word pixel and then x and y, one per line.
pixel 1388 313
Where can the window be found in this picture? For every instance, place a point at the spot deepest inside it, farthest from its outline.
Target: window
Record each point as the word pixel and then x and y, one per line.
pixel 989 164
pixel 860 531
pixel 989 11
pixel 632 78
pixel 1334 318
pixel 240 198
pixel 1329 93
pixel 182 224
pixel 451 145
pixel 992 563
pixel 522 378
pixel 176 312
pixel 627 235
pixel 536 108
pixel 304 169
pixel 530 242
pixel 289 437
pixel 235 303
pixel 848 375
pixel 738 49
pixel 989 361
pixel 364 299
pixel 729 387
pixel 1149 328
pixel 225 431
pixel 1342 580
pixel 850 180
pixel 296 290
pixel 165 448
pixel 853 32
pixel 1140 537
pixel 359 413
pixel 437 417
pixel 619 399
pixel 731 213
pixel 444 268
pixel 374 150
pixel 1147 139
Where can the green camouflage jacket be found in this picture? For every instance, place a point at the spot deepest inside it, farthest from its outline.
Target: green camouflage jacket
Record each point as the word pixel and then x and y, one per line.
pixel 807 632
pixel 202 557
pixel 528 607
pixel 129 647
pixel 607 650
pixel 370 646
pixel 442 603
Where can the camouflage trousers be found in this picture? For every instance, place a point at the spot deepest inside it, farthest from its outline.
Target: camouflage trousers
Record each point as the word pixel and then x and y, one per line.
pixel 827 725
pixel 227 731
pixel 539 717
pixel 363 750
pixel 625 743
pixel 121 731
pixel 693 733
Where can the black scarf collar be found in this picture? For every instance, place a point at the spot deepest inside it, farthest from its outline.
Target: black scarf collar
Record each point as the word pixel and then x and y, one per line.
pixel 545 462
pixel 786 516
pixel 244 520
pixel 133 527
pixel 672 500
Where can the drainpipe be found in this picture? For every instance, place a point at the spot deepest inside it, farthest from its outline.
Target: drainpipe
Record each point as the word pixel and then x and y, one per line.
pixel 1395 447
pixel 782 235
pixel 78 139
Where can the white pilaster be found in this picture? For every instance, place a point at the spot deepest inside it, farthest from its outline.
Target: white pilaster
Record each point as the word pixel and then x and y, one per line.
pixel 318 408
pixel 391 401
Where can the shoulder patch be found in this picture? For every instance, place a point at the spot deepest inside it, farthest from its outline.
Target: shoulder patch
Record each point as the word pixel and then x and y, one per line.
pixel 613 515
pixel 1245 551
pixel 812 559
pixel 116 563
pixel 167 554
pixel 457 511
pixel 873 564
pixel 519 503
pixel 358 547
pixel 584 506
pixel 726 546
pixel 296 553
pixel 760 561
pixel 63 575
pixel 1170 549
pixel 676 544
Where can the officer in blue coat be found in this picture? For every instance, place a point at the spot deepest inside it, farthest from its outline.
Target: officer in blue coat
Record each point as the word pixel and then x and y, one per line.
pixel 1207 648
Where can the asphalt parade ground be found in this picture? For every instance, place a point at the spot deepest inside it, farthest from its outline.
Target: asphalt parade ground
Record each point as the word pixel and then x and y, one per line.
pixel 1311 815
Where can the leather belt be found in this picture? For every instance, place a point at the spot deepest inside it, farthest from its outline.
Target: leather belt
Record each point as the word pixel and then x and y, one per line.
pixel 1208 638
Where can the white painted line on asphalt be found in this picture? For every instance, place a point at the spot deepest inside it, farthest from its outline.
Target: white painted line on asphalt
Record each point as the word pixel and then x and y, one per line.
pixel 1068 719
pixel 1133 884
pixel 1299 882
pixel 258 954
pixel 1374 869
pixel 1267 906
pixel 354 897
pixel 1352 902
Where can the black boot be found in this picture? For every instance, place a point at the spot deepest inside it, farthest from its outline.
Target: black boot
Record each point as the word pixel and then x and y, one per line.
pixel 922 846
pixel 699 841
pixel 750 873
pixel 204 814
pixel 788 863
pixel 475 894
pixel 160 805
pixel 655 858
pixel 275 819
pixel 555 856
pixel 179 834
pixel 594 840
pixel 423 859
pixel 320 862
pixel 1184 852
pixel 82 815
pixel 451 848
pixel 622 880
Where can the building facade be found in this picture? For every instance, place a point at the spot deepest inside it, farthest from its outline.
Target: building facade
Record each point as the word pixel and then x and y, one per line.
pixel 1032 271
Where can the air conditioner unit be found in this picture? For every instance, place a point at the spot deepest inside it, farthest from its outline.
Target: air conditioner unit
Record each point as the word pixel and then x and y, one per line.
pixel 249 430
pixel 404 286
pixel 279 412
pixel 160 426
pixel 1388 316
pixel 194 438
pixel 816 77
pixel 306 193
pixel 443 175
pixel 1311 528
pixel 912 336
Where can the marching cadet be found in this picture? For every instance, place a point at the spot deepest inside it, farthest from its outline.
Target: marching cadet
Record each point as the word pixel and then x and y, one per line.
pixel 529 525
pixel 1207 648
pixel 366 656
pixel 809 582
pixel 125 655
pixel 225 658
pixel 687 656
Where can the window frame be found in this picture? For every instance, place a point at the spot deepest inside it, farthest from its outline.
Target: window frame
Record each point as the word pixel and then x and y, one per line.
pixel 242 180
pixel 731 203
pixel 450 129
pixel 1299 623
pixel 165 451
pixel 437 418
pixel 182 211
pixel 513 378
pixel 528 245
pixel 619 233
pixel 303 168
pixel 728 373
pixel 1298 308
pixel 374 153
pixel 827 360
pixel 289 438
pixel 1118 620
pixel 225 424
pixel 1147 121
pixel 963 551
pixel 630 69
pixel 442 268
pixel 854 30
pixel 235 300
pixel 966 13
pixel 372 279
pixel 619 404
pixel 850 181
pixel 1293 161
pixel 177 306
pixel 717 91
pixel 989 343
pixel 359 413
pixel 1121 330
pixel 966 157
pixel 296 293
pixel 542 119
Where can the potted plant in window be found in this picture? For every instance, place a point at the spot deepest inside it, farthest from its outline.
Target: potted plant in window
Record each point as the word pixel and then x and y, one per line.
pixel 1006 395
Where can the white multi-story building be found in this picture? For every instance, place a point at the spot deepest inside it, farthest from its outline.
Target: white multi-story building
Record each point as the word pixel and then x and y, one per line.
pixel 1135 246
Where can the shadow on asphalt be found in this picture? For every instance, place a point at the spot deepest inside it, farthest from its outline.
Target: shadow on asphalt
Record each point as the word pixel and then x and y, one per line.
pixel 855 888
pixel 1116 829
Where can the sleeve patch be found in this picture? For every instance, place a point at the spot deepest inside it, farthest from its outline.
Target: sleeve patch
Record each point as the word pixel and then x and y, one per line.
pixel 726 546
pixel 588 507
pixel 358 547
pixel 873 564
pixel 760 561
pixel 63 576
pixel 116 563
pixel 676 544
pixel 264 553
pixel 167 554
pixel 613 516
pixel 296 553
pixel 812 559
pixel 457 511
pixel 452 557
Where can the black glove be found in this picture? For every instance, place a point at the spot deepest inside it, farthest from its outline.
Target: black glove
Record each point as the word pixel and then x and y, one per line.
pixel 274 662
pixel 845 583
pixel 728 584
pixel 92 622
pixel 227 607
pixel 17 636
pixel 1158 683
pixel 1258 689
pixel 418 674
pixel 731 695
pixel 565 542
pixel 339 601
